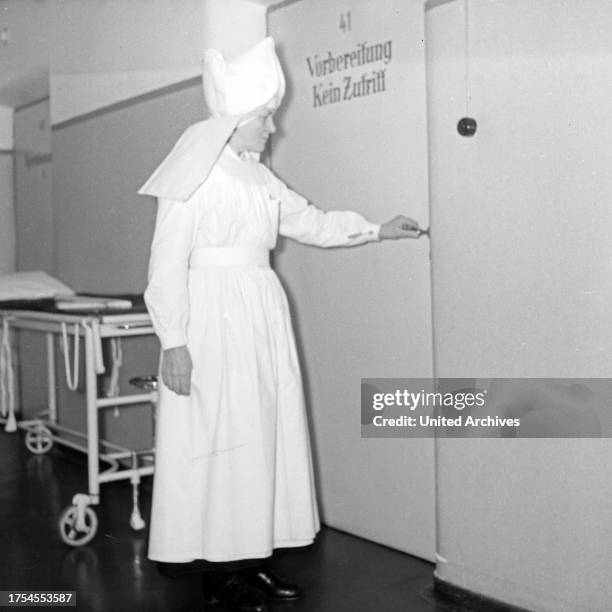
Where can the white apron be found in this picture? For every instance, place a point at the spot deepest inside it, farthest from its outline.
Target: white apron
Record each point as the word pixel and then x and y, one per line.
pixel 233 477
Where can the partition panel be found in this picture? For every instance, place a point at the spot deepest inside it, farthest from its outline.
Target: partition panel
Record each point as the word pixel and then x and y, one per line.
pixel 521 254
pixel 352 136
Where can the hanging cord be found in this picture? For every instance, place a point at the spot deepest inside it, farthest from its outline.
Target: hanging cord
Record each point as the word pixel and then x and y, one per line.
pixel 97 346
pixel 92 326
pixel 7 380
pixel 71 380
pixel 112 389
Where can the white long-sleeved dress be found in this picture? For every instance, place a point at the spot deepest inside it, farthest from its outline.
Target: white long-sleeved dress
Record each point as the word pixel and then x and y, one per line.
pixel 233 475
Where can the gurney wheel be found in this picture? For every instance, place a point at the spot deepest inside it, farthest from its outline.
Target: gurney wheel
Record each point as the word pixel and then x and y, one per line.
pixel 38 440
pixel 78 536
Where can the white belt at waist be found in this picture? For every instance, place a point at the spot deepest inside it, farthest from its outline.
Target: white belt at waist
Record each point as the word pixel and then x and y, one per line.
pixel 203 257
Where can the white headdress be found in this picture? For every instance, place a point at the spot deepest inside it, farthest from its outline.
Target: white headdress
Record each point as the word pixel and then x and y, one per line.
pixel 235 91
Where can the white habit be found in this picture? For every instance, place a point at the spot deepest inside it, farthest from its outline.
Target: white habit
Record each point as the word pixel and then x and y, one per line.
pixel 233 475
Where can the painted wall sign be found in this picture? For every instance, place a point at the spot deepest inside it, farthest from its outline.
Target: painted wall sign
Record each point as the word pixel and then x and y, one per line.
pixel 341 75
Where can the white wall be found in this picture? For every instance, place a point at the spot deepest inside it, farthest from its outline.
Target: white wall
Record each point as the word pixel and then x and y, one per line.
pixel 24 58
pixel 7 205
pixel 113 50
pixel 522 286
pixel 33 189
pixel 7 136
pixel 362 312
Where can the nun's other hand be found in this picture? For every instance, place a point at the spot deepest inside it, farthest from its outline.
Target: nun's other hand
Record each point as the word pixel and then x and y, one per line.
pixel 176 369
pixel 399 227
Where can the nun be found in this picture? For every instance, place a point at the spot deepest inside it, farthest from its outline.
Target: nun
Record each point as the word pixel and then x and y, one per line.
pixel 233 478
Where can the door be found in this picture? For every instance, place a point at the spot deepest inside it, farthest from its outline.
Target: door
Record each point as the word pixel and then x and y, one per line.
pixel 352 135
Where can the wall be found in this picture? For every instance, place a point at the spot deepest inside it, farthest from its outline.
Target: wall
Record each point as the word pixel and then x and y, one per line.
pixel 35 234
pixel 7 139
pixel 103 227
pixel 362 312
pixel 7 214
pixel 105 59
pixel 24 58
pixel 7 208
pixel 33 188
pixel 522 287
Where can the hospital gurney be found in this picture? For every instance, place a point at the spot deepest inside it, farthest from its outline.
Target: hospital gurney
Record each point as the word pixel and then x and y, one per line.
pixel 78 522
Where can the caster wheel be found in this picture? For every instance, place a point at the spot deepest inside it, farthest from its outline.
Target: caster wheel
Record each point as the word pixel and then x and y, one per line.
pixel 39 440
pixel 77 535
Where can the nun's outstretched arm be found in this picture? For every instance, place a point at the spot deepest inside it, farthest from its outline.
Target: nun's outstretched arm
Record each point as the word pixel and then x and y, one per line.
pixel 306 223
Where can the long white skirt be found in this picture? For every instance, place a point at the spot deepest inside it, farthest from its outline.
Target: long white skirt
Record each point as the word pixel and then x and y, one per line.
pixel 233 476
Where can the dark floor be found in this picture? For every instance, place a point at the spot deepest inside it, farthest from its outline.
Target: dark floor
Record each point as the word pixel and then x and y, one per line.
pixel 339 573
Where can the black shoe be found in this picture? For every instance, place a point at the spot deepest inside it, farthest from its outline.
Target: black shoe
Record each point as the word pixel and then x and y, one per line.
pixel 271 584
pixel 236 594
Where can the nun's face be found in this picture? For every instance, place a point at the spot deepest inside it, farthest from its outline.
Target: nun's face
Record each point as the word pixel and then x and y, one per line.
pixel 253 136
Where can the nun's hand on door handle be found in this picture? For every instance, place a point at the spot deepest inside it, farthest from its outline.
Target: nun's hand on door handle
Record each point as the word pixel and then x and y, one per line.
pixel 400 227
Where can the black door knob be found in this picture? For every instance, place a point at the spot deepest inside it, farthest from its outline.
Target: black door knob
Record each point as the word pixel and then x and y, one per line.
pixel 467 126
